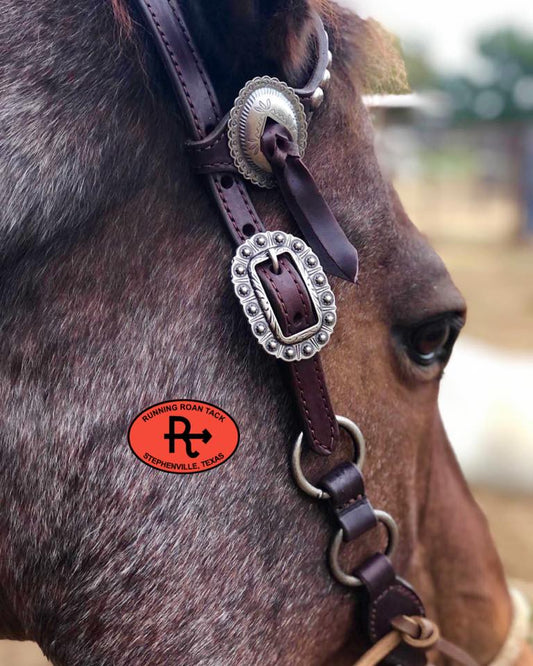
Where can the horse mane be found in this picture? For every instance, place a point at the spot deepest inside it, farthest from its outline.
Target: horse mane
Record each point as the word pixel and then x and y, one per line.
pixel 122 16
pixel 375 53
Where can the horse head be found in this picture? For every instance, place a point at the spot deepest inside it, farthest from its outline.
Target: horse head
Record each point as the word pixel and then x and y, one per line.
pixel 116 296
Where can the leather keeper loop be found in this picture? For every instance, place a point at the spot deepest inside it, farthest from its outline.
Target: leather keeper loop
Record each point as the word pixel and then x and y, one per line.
pixel 388 598
pixel 344 483
pixel 377 574
pixel 212 155
pixel 356 519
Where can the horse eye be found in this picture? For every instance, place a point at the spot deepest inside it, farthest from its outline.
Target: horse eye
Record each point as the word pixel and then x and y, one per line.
pixel 432 341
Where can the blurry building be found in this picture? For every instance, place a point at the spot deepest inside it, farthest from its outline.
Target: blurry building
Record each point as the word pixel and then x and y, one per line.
pixel 472 182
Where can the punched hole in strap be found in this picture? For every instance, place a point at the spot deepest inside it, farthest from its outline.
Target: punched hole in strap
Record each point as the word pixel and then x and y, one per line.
pixel 227 181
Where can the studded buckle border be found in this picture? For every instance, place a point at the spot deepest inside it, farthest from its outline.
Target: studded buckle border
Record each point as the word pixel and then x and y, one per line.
pixel 262 248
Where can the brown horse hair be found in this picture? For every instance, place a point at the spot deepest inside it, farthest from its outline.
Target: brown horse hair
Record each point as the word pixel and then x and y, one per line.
pixel 122 16
pixel 115 295
pixel 379 66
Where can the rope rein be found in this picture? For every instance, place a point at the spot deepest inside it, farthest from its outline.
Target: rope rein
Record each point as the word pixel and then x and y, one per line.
pixel 423 634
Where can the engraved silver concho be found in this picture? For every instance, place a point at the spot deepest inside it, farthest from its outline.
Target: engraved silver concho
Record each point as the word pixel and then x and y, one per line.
pixel 262 98
pixel 257 308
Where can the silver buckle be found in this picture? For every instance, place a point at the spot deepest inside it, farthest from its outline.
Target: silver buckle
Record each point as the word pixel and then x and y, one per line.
pixel 250 291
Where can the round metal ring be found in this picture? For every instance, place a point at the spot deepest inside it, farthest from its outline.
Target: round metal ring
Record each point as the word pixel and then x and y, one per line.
pixel 300 478
pixel 353 581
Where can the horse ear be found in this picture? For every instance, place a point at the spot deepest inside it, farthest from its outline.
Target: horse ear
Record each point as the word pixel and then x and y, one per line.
pixel 380 66
pixel 240 39
pixel 287 36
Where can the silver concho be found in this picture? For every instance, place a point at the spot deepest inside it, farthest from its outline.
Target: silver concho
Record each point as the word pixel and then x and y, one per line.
pixel 262 98
pixel 257 308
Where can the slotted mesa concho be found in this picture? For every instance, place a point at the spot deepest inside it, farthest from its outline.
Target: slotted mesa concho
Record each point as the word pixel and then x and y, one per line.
pixel 262 98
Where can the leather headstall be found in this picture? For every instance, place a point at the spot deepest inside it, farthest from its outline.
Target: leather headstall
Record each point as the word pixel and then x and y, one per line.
pixel 281 282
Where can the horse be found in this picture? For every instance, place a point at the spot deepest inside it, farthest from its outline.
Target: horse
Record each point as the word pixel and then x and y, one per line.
pixel 115 296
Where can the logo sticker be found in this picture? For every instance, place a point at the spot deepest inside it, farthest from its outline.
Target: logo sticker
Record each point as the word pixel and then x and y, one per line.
pixel 183 436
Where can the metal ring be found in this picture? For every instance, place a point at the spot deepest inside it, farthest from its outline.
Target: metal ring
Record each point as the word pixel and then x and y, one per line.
pixel 354 581
pixel 302 482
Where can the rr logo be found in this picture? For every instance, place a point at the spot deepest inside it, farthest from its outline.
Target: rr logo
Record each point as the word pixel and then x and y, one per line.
pixel 186 435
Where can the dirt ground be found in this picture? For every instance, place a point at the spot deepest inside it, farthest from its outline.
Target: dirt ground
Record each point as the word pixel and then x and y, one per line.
pixel 497 280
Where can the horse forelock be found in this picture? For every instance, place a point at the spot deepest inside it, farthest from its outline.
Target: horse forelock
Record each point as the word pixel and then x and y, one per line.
pixel 122 15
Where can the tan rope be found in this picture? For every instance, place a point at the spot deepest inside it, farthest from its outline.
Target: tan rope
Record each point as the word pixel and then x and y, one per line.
pixel 418 632
pixel 423 634
pixel 380 650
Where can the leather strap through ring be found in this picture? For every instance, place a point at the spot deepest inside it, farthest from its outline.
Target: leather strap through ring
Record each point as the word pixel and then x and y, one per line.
pixel 336 569
pixel 359 449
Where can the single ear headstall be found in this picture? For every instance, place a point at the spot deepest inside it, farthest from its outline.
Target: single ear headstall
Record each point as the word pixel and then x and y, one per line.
pixel 281 282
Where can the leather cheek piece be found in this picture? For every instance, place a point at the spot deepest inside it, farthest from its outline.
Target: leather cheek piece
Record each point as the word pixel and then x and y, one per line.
pixel 388 597
pixel 202 112
pixel 186 72
pixel 294 311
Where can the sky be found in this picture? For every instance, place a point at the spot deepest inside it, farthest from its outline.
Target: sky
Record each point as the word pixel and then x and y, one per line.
pixel 448 29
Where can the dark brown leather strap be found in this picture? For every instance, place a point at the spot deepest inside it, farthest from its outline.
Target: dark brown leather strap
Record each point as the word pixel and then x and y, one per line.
pixel 187 74
pixel 389 597
pixel 294 311
pixel 202 113
pixel 307 205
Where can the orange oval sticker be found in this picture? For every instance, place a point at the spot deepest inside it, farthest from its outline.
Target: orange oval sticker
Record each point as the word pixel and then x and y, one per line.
pixel 183 436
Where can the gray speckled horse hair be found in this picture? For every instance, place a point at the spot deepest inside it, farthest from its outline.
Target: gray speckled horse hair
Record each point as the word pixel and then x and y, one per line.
pixel 115 295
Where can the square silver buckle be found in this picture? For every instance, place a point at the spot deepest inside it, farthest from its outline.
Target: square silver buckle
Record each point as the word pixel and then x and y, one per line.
pixel 256 304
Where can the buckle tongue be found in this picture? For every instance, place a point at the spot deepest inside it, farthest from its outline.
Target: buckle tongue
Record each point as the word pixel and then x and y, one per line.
pixel 256 304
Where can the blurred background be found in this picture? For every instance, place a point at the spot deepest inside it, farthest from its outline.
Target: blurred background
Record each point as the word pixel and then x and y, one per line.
pixel 459 148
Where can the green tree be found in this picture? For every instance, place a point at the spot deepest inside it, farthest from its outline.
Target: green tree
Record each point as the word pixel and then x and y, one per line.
pixel 507 93
pixel 420 72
